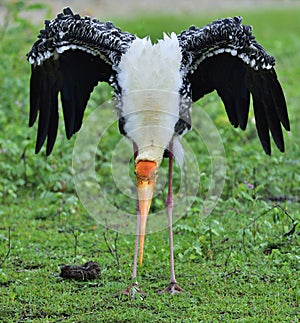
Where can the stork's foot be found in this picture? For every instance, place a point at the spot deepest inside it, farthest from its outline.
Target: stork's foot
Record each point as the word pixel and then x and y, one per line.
pixel 173 288
pixel 133 291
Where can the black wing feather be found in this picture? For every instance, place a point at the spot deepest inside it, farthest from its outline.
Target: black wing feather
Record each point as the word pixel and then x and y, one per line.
pixel 35 90
pixel 259 112
pixel 261 88
pixel 45 113
pixel 224 56
pixel 225 74
pixel 262 125
pixel 52 131
pixel 279 99
pixel 74 74
pixel 242 96
pixel 71 56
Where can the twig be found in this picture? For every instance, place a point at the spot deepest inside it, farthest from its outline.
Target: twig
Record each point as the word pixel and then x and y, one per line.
pixel 113 250
pixel 9 249
pixel 23 159
pixel 254 183
pixel 75 235
pixel 210 237
pixel 227 258
pixel 267 212
pixel 292 229
pixel 116 249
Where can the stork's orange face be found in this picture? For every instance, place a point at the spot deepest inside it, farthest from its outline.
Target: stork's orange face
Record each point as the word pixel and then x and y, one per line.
pixel 146 174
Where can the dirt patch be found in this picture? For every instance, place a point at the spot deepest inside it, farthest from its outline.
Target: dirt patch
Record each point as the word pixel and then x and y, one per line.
pixel 89 271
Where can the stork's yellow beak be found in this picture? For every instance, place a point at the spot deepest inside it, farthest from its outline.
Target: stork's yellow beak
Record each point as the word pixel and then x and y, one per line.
pixel 146 173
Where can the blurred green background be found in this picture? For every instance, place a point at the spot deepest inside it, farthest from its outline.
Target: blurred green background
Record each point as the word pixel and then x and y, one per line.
pixel 239 264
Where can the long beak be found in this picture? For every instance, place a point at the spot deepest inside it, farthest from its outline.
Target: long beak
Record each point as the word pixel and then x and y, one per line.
pixel 145 182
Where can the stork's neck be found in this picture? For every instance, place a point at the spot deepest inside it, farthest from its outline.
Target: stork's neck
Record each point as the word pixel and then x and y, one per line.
pixel 150 78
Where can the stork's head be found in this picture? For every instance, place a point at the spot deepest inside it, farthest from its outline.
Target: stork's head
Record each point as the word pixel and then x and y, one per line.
pixel 146 174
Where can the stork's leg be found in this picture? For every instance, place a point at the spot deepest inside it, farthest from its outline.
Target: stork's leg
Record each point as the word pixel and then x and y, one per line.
pixel 173 286
pixel 138 219
pixel 133 288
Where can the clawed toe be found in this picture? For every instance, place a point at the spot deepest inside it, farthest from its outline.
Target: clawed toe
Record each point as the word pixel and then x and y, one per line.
pixel 133 291
pixel 173 288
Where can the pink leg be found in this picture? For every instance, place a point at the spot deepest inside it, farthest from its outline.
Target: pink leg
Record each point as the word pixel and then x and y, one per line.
pixel 134 287
pixel 136 247
pixel 173 286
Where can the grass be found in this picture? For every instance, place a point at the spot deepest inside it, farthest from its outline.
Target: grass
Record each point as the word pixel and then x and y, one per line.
pixel 240 264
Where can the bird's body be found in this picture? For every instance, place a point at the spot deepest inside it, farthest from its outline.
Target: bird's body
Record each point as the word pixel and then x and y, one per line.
pixel 150 79
pixel 155 85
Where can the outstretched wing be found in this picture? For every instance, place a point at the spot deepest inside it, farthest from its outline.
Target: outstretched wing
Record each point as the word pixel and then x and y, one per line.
pixel 71 56
pixel 224 56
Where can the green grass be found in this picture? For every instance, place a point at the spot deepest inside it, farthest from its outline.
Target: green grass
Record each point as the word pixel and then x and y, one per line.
pixel 239 264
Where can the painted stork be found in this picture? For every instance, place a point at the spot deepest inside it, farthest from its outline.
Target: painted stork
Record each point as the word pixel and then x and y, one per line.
pixel 154 85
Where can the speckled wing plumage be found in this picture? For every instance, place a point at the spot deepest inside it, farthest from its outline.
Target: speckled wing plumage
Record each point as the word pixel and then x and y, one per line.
pixel 223 36
pixel 224 56
pixel 71 56
pixel 69 31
